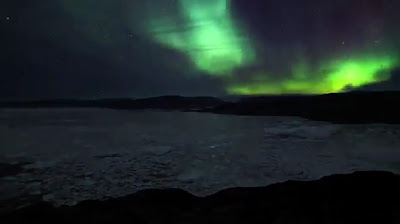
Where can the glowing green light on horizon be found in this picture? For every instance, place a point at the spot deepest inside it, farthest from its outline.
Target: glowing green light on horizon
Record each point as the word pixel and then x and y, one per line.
pixel 337 76
pixel 208 36
pixel 357 73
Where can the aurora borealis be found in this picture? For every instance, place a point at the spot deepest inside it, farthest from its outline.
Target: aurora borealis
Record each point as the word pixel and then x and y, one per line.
pixel 198 47
pixel 211 38
pixel 335 77
pixel 208 35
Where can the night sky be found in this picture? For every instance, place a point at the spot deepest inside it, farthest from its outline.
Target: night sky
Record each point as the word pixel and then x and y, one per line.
pixel 137 48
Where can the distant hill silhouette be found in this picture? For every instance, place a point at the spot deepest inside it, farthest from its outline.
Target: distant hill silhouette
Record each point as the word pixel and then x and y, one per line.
pixel 351 107
pixel 161 102
pixel 392 84
pixel 168 103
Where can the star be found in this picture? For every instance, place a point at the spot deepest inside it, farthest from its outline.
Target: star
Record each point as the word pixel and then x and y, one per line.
pixel 8 18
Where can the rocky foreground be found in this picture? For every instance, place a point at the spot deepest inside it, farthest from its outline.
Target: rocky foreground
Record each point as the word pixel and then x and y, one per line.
pixel 361 197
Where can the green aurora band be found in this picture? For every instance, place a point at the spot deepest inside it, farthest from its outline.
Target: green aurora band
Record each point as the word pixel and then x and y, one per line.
pixel 212 40
pixel 331 77
pixel 208 35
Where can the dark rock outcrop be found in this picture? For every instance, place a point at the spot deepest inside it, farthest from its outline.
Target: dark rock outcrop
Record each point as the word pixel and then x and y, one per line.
pixel 361 197
pixel 11 169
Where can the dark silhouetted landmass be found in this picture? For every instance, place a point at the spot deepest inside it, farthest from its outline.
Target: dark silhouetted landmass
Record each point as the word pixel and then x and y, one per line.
pixel 361 197
pixel 169 103
pixel 162 102
pixel 352 107
pixel 11 169
pixel 391 84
